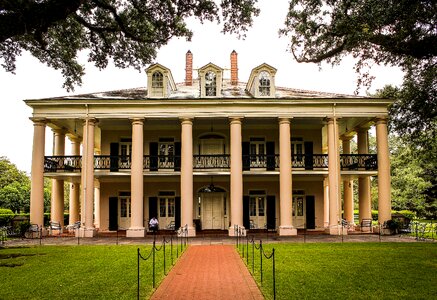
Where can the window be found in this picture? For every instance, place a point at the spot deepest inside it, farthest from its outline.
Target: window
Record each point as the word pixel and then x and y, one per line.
pixel 166 207
pixel 125 149
pixel 157 84
pixel 257 209
pixel 257 152
pixel 210 84
pixel 264 84
pixel 166 152
pixel 125 208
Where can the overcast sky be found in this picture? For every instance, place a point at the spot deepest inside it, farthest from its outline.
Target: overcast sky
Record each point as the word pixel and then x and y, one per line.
pixel 34 80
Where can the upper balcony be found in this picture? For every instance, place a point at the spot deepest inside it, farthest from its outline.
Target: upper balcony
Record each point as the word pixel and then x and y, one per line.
pixel 348 162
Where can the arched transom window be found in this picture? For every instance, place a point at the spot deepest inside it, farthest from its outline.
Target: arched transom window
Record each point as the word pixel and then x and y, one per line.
pixel 264 83
pixel 210 84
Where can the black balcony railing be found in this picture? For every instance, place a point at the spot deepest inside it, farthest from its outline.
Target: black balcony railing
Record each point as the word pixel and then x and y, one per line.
pixel 211 161
pixel 62 163
pixel 352 162
pixel 348 162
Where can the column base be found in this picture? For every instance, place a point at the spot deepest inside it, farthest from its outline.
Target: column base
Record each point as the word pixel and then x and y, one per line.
pixel 86 232
pixel 232 232
pixel 136 232
pixel 287 231
pixel 336 230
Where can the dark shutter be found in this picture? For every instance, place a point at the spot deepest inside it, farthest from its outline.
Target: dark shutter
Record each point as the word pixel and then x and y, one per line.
pixel 153 151
pixel 177 211
pixel 308 146
pixel 113 157
pixel 271 212
pixel 153 207
pixel 270 149
pixel 245 149
pixel 310 212
pixel 177 157
pixel 246 219
pixel 113 213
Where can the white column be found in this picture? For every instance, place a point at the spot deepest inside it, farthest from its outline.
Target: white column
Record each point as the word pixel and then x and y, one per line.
pixel 326 203
pixel 384 199
pixel 187 175
pixel 333 176
pixel 87 186
pixel 348 190
pixel 236 175
pixel 97 203
pixel 285 178
pixel 74 187
pixel 57 201
pixel 37 173
pixel 364 195
pixel 137 183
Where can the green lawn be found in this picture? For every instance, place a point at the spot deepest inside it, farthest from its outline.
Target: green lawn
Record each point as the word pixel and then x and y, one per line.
pixel 78 272
pixel 350 271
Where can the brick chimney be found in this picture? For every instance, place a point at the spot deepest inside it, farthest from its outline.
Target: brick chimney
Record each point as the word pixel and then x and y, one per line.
pixel 189 68
pixel 234 68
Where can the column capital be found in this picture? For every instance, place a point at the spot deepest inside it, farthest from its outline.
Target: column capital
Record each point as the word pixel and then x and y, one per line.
pixel 186 120
pixel 59 131
pixel 91 121
pixel 74 139
pixel 39 121
pixel 362 129
pixel 235 120
pixel 284 120
pixel 381 120
pixel 346 138
pixel 331 119
pixel 137 121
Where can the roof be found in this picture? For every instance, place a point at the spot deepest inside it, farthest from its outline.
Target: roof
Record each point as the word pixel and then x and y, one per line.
pixel 192 92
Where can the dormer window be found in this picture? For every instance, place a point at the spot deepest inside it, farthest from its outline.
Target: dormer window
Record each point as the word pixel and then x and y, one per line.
pixel 264 84
pixel 261 82
pixel 210 84
pixel 210 77
pixel 160 83
pixel 157 84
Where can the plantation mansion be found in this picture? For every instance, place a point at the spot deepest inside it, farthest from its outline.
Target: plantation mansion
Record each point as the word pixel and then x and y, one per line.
pixel 211 153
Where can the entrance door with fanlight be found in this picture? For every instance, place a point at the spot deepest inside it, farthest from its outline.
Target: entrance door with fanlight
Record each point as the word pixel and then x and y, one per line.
pixel 212 215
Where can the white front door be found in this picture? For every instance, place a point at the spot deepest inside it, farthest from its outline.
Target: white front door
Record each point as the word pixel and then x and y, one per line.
pixel 124 213
pixel 299 211
pixel 212 210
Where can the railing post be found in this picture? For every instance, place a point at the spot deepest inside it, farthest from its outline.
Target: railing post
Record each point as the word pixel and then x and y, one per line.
pixel 163 245
pixel 153 262
pixel 138 273
pixel 261 259
pixel 274 274
pixel 253 256
pixel 247 250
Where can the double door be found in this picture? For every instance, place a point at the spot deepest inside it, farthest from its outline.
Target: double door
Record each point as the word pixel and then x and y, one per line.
pixel 212 210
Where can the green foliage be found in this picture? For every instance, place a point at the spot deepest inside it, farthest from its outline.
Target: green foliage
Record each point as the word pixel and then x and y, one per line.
pixel 127 32
pixel 14 187
pixel 348 271
pixel 6 215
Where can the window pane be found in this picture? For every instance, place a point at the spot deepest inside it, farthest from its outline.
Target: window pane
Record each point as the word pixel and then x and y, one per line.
pixel 170 207
pixel 261 206
pixel 123 208
pixel 252 206
pixel 264 84
pixel 157 80
pixel 299 207
pixel 210 84
pixel 162 207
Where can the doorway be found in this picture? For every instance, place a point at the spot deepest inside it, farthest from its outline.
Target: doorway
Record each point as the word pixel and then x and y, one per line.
pixel 212 215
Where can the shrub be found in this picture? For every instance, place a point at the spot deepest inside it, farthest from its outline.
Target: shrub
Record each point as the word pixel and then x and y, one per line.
pixel 6 215
pixel 408 214
pixel 23 227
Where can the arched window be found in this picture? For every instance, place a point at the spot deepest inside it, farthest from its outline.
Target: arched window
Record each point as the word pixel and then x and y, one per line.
pixel 264 83
pixel 210 84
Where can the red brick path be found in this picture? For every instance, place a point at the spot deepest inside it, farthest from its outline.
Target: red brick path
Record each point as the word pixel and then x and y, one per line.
pixel 209 272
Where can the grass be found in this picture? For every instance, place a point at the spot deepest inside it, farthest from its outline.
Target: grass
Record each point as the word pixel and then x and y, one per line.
pixel 350 271
pixel 78 272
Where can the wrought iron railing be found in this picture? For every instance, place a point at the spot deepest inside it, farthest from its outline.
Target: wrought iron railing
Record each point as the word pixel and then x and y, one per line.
pixel 62 163
pixel 211 161
pixel 366 162
pixel 112 162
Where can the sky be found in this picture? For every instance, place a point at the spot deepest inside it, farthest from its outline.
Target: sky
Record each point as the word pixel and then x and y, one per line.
pixel 34 80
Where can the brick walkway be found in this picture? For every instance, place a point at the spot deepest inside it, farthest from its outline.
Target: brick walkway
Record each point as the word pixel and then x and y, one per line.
pixel 209 272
